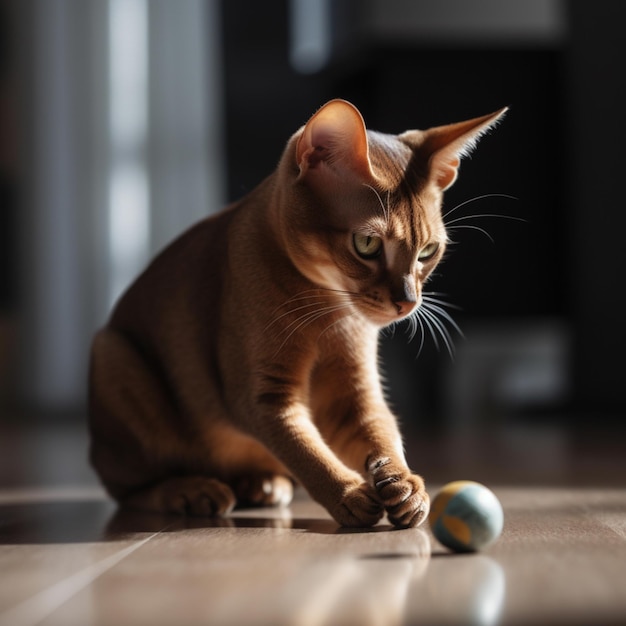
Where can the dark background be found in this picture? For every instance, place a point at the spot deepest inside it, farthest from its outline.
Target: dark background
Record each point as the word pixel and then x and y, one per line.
pixel 542 306
pixel 557 151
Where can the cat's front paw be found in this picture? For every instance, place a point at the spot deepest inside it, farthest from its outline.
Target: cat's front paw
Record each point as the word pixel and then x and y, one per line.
pixel 402 493
pixel 358 507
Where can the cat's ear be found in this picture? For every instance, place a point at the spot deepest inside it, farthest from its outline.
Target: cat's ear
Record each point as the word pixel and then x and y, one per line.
pixel 335 137
pixel 447 144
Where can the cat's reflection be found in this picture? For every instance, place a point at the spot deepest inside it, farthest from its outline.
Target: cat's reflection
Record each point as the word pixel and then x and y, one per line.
pixel 130 521
pixel 366 577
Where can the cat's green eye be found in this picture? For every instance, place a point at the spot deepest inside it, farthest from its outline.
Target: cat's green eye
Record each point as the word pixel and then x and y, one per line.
pixel 428 252
pixel 367 246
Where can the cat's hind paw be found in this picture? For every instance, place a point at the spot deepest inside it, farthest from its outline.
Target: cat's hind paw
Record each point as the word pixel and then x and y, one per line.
pixel 402 493
pixel 184 495
pixel 264 490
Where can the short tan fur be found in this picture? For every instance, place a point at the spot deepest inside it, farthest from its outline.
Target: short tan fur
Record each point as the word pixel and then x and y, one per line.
pixel 244 358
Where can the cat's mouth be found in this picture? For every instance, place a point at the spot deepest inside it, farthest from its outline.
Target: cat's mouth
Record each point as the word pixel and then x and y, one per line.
pixel 385 313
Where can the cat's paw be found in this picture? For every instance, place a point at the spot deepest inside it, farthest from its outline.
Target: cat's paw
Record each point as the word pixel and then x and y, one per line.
pixel 402 493
pixel 197 495
pixel 185 495
pixel 264 490
pixel 358 507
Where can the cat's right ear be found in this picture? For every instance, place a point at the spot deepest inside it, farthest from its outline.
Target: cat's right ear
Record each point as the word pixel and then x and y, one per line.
pixel 334 139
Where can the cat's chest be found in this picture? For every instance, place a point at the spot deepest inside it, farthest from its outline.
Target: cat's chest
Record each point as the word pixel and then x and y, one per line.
pixel 344 353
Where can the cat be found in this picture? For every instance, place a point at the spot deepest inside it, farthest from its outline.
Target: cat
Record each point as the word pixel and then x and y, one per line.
pixel 244 359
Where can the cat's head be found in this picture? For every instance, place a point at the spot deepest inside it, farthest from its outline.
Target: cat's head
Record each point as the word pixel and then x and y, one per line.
pixel 363 214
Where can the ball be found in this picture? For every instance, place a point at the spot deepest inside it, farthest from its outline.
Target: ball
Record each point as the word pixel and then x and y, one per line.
pixel 466 516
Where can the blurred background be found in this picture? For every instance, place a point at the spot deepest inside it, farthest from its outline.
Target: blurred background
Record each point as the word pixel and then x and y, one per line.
pixel 124 121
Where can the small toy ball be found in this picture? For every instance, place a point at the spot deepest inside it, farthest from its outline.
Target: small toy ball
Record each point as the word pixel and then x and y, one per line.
pixel 466 516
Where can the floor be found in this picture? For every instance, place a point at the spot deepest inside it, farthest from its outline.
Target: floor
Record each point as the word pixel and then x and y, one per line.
pixel 68 557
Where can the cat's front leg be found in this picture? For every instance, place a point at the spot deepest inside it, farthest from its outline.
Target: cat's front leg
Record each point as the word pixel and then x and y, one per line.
pixel 375 449
pixel 346 496
pixel 364 434
pixel 289 433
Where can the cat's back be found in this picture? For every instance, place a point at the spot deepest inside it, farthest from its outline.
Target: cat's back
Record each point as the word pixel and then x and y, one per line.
pixel 184 277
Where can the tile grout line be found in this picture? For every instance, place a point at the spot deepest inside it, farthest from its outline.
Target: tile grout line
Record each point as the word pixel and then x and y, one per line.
pixel 36 608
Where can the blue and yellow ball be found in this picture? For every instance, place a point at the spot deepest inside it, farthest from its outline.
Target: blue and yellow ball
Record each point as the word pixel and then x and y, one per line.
pixel 466 516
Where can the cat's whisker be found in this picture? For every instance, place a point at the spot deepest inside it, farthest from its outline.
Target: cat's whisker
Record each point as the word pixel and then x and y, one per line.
pixel 317 303
pixel 432 316
pixel 315 292
pixel 440 327
pixel 307 294
pixel 306 321
pixel 441 312
pixel 448 318
pixel 390 330
pixel 416 327
pixel 319 296
pixel 418 321
pixel 380 200
pixel 308 318
pixel 429 297
pixel 480 215
pixel 311 316
pixel 427 322
pixel 411 326
pixel 299 296
pixel 478 228
pixel 457 222
pixel 344 292
pixel 477 198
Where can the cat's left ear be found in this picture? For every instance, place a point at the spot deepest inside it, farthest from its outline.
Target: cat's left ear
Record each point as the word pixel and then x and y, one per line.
pixel 334 138
pixel 447 144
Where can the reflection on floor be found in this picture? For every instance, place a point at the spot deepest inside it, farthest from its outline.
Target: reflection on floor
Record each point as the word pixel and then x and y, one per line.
pixel 69 557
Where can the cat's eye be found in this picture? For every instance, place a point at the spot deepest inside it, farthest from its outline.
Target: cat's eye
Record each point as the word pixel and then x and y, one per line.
pixel 428 252
pixel 367 246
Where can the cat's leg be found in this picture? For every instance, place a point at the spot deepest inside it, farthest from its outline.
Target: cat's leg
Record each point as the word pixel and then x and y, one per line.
pixel 289 433
pixel 375 449
pixel 350 500
pixel 369 440
pixel 135 440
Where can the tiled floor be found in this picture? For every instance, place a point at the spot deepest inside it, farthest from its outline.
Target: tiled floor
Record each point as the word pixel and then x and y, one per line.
pixel 67 557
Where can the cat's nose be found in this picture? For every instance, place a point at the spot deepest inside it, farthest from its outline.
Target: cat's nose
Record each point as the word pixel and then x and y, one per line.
pixel 406 297
pixel 404 307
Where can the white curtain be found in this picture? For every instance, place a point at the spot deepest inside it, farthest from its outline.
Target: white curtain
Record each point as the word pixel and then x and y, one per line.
pixel 123 150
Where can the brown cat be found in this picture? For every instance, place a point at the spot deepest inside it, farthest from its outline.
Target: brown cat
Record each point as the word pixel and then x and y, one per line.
pixel 245 356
